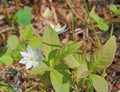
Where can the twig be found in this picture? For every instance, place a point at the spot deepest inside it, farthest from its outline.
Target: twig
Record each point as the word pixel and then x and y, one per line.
pixel 54 13
pixel 3 29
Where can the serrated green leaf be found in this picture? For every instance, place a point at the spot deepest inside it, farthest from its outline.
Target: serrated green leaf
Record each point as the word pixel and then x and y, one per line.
pixel 66 50
pixel 114 9
pixel 6 59
pixel 58 82
pixel 103 57
pixel 50 41
pixel 27 33
pixel 99 83
pixel 41 69
pixel 12 42
pixel 24 16
pixel 103 26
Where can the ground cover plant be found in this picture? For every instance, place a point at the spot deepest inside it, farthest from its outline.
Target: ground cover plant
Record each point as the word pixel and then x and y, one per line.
pixel 61 66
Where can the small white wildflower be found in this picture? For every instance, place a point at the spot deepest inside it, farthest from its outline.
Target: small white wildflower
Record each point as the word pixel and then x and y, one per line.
pixel 58 28
pixel 31 57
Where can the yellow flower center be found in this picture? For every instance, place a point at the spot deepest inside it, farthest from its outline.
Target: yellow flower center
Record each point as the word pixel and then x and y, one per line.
pixel 32 59
pixel 60 26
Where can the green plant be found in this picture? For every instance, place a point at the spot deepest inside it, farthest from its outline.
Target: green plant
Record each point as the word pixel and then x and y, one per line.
pixel 88 13
pixel 114 9
pixel 24 16
pixel 100 21
pixel 60 58
pixel 14 45
pixel 4 87
pixel 64 66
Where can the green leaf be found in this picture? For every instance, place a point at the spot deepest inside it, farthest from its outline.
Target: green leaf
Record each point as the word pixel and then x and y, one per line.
pixel 24 16
pixel 35 42
pixel 114 9
pixel 71 62
pixel 75 60
pixel 102 58
pixel 27 33
pixel 83 82
pixel 50 41
pixel 5 87
pixel 82 70
pixel 60 67
pixel 90 85
pixel 99 83
pixel 12 42
pixel 52 54
pixel 45 77
pixel 15 53
pixel 59 83
pixel 14 47
pixel 66 50
pixel 103 26
pixel 41 69
pixel 6 59
pixel 96 17
pixel 100 21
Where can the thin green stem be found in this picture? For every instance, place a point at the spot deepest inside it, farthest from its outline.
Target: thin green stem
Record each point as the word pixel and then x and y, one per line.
pixel 111 31
pixel 103 73
pixel 73 26
pixel 73 23
pixel 86 7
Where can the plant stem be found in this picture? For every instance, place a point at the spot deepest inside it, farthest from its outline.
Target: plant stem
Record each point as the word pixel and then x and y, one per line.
pixel 103 73
pixel 73 23
pixel 111 31
pixel 92 23
pixel 114 20
pixel 73 26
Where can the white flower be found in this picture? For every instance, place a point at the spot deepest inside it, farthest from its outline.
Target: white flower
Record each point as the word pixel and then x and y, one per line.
pixel 58 28
pixel 31 57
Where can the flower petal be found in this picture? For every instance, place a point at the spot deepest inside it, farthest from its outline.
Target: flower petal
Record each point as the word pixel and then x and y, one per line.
pixel 58 25
pixel 39 58
pixel 28 65
pixel 36 64
pixel 24 54
pixel 24 61
pixel 37 52
pixel 30 50
pixel 51 25
pixel 57 30
pixel 63 29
